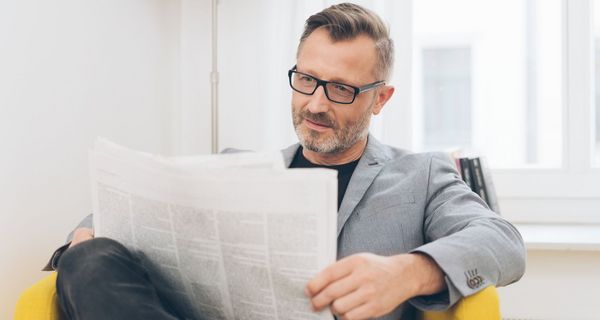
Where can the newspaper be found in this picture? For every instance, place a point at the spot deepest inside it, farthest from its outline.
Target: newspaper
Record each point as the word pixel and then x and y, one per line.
pixel 232 236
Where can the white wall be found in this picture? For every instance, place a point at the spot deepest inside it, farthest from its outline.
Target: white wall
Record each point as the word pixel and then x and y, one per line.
pixel 193 117
pixel 556 285
pixel 72 70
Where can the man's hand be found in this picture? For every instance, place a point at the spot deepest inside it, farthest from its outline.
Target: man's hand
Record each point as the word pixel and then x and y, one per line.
pixel 80 235
pixel 365 285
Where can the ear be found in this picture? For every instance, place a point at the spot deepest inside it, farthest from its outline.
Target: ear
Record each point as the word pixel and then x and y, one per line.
pixel 383 95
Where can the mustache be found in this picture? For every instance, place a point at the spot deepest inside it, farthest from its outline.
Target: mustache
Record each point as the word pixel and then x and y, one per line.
pixel 321 118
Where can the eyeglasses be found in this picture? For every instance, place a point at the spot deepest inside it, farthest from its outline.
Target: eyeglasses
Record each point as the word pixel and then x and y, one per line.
pixel 334 91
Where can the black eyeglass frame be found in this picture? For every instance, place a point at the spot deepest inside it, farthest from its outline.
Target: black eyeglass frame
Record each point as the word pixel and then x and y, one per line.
pixel 323 83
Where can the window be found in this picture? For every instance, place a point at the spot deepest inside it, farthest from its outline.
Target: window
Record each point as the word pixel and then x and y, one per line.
pixel 491 74
pixel 596 36
pixel 597 88
pixel 446 97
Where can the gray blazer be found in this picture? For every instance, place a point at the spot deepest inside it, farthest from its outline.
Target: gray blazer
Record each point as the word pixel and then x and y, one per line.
pixel 398 202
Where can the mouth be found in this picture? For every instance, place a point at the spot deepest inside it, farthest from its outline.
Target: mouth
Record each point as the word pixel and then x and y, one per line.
pixel 321 127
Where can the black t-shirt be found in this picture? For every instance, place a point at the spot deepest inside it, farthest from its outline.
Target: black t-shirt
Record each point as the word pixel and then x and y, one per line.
pixel 344 171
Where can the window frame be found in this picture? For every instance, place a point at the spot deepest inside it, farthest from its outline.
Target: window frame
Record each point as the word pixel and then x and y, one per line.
pixel 573 189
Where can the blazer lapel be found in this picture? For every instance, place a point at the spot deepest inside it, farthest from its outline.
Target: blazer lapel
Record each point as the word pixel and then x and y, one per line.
pixel 369 166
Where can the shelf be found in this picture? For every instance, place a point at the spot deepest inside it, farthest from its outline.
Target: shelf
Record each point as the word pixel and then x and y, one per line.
pixel 560 237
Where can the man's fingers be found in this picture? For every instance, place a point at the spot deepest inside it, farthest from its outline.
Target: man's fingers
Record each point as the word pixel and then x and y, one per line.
pixel 330 274
pixel 333 291
pixel 349 302
pixel 364 311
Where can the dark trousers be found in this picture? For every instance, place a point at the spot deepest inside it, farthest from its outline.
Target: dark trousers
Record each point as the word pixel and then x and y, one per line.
pixel 101 279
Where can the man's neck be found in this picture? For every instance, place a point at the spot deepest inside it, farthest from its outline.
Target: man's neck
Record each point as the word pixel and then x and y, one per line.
pixel 331 159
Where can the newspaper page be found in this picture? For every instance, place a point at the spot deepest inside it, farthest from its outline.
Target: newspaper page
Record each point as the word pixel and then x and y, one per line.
pixel 234 236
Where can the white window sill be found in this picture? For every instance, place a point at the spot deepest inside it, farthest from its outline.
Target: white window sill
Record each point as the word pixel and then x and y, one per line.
pixel 560 237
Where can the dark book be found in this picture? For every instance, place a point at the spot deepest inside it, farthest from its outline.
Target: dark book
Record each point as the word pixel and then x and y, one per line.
pixel 465 172
pixel 478 179
pixel 492 199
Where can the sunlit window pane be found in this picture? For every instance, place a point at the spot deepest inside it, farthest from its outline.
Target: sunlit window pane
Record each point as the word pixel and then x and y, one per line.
pixel 488 78
pixel 447 97
pixel 597 76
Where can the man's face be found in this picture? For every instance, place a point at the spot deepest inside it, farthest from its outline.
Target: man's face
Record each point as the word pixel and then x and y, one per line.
pixel 324 126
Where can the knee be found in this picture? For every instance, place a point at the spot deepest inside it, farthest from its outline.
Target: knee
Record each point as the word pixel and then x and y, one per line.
pixel 93 264
pixel 91 256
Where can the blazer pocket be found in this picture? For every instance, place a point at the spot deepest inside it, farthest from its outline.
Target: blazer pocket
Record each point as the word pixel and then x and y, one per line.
pixel 403 201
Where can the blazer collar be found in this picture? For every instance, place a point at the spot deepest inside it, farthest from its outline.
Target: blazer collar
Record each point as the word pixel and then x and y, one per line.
pixel 370 164
pixel 289 153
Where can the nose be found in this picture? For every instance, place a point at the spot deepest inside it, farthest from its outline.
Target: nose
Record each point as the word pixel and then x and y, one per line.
pixel 318 101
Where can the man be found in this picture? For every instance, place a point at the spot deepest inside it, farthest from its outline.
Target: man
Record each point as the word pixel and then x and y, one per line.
pixel 410 233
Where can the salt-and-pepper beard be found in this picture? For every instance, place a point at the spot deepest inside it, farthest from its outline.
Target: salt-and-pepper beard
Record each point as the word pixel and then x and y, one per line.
pixel 342 138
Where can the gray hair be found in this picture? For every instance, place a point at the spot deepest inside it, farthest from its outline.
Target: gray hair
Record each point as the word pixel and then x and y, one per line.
pixel 346 21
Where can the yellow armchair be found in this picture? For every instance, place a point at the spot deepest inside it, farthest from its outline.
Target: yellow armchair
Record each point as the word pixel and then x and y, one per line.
pixel 484 305
pixel 41 302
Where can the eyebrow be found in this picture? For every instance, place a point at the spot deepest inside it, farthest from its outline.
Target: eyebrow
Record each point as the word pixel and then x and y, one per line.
pixel 334 79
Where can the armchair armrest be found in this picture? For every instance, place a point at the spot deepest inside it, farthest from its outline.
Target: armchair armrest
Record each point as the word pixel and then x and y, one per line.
pixel 41 302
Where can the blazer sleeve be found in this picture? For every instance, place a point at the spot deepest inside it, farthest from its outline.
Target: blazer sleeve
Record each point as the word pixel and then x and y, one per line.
pixel 474 246
pixel 87 222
